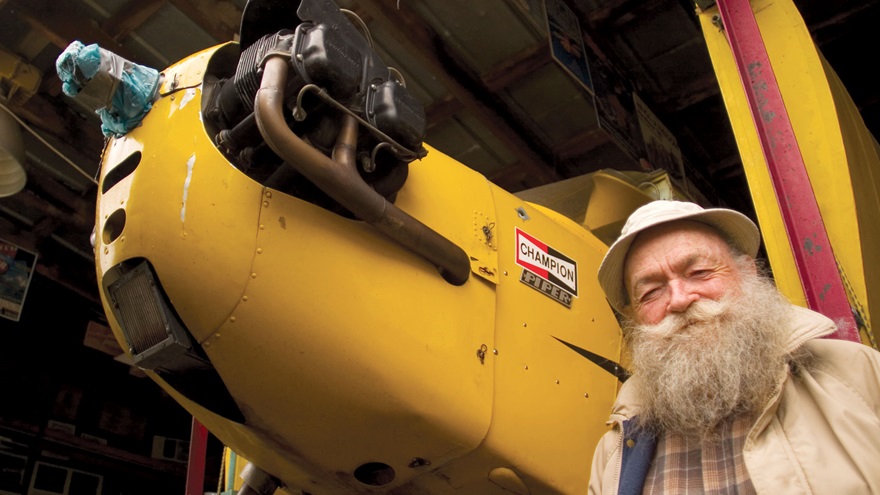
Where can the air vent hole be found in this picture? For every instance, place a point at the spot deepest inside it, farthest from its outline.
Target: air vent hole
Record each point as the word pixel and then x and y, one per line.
pixel 121 171
pixel 374 474
pixel 113 226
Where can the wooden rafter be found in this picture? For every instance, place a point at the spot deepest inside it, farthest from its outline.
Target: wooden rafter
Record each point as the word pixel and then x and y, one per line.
pixel 130 17
pixel 413 34
pixel 62 26
pixel 219 19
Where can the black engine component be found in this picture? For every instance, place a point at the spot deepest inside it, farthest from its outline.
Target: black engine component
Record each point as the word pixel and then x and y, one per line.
pixel 334 72
pixel 236 99
pixel 392 109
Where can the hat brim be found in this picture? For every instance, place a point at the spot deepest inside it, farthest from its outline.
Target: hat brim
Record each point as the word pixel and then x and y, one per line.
pixel 732 225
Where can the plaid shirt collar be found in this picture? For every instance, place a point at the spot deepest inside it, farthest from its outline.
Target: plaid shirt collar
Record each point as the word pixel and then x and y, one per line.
pixel 688 466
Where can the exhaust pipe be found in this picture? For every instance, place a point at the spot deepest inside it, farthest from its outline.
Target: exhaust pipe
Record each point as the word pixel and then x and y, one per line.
pixel 339 179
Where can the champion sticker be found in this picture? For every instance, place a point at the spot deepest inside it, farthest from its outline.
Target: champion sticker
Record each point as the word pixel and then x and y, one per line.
pixel 548 265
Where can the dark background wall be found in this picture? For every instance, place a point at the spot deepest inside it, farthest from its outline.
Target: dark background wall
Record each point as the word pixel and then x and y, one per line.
pixel 52 382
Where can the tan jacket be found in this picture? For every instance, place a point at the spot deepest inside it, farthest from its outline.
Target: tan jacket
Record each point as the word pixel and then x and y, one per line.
pixel 820 434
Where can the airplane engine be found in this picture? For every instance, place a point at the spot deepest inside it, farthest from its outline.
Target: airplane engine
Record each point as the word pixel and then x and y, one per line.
pixel 346 307
pixel 333 75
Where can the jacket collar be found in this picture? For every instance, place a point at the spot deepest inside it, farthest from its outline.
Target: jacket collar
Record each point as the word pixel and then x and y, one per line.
pixel 807 325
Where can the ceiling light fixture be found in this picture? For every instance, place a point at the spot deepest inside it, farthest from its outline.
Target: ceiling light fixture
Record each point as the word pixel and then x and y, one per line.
pixel 12 174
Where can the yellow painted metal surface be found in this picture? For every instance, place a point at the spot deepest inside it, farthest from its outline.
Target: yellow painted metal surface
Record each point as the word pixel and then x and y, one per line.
pixel 192 219
pixel 366 329
pixel 601 201
pixel 230 474
pixel 339 346
pixel 21 80
pixel 840 155
pixel 544 397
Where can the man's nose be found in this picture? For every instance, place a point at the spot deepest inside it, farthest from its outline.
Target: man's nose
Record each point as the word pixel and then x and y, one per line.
pixel 680 297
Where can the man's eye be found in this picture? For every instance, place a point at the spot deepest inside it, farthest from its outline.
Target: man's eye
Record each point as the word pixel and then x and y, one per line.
pixel 649 294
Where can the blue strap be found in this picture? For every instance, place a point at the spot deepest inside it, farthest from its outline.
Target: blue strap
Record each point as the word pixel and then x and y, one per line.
pixel 638 453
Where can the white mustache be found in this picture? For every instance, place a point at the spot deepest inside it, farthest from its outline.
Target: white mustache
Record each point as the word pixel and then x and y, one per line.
pixel 700 312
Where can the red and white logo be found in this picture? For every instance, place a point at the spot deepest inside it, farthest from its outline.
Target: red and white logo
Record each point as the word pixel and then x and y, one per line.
pixel 546 262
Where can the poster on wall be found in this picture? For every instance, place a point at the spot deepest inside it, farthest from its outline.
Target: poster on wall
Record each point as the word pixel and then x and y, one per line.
pixel 615 109
pixel 567 42
pixel 16 270
pixel 660 144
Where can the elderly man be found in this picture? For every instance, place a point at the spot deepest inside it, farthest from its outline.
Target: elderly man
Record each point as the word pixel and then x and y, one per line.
pixel 733 391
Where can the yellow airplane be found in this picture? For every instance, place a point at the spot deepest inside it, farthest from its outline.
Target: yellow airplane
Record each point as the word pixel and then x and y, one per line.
pixel 341 304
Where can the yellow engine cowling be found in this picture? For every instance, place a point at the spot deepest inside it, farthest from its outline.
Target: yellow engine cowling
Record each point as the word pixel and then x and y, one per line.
pixel 340 361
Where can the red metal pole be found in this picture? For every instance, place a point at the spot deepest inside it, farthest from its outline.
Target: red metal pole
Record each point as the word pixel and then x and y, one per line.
pixel 813 255
pixel 198 451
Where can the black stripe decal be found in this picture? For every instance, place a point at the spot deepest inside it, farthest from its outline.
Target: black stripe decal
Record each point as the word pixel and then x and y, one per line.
pixel 606 364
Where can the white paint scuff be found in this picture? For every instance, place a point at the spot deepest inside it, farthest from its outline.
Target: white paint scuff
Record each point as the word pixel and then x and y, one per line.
pixel 187 97
pixel 189 173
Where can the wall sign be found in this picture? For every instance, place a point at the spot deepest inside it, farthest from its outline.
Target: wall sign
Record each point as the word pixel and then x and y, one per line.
pixel 16 270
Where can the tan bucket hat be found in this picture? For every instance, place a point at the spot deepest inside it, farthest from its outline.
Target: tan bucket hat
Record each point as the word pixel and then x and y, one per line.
pixel 734 226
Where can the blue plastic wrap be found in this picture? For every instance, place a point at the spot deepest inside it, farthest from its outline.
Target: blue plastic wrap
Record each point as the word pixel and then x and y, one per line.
pixel 119 91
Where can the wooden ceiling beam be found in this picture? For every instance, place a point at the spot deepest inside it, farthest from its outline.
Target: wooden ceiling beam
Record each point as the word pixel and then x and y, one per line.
pixel 82 209
pixel 583 143
pixel 77 221
pixel 620 12
pixel 130 17
pixel 513 178
pixel 412 33
pixel 221 20
pixel 441 110
pixel 62 25
pixel 54 121
pixel 517 67
pixel 611 13
pixel 697 90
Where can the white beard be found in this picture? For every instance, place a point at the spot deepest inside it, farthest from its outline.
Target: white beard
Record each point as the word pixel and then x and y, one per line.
pixel 717 360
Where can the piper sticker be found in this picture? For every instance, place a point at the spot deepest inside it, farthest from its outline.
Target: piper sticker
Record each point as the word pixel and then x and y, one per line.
pixel 546 269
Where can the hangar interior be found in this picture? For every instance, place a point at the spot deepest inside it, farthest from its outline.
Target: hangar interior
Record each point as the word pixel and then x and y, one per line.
pixel 77 418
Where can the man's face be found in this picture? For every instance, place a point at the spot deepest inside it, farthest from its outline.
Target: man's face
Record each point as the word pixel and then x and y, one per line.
pixel 671 266
pixel 707 334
